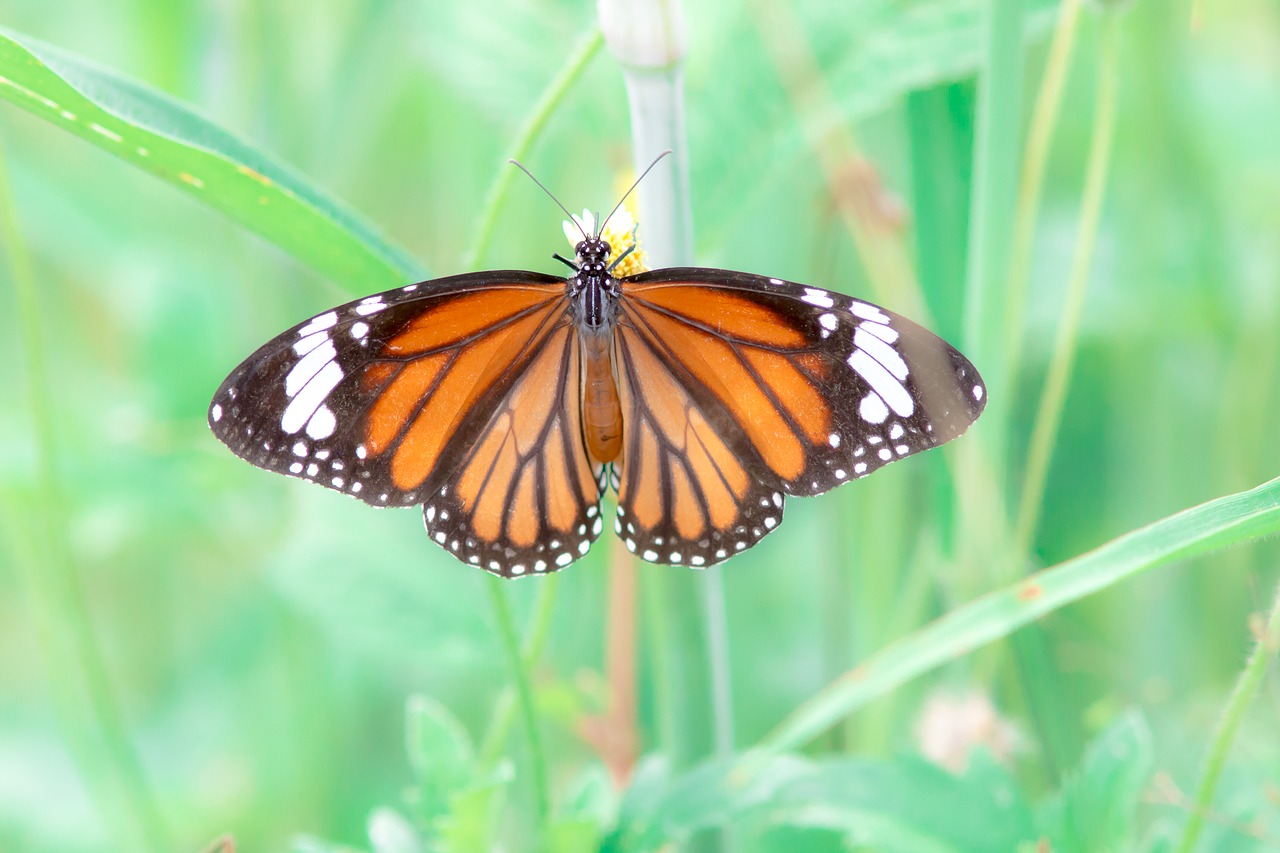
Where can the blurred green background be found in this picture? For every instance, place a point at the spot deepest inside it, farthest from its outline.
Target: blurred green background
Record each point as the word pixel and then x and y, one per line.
pixel 261 637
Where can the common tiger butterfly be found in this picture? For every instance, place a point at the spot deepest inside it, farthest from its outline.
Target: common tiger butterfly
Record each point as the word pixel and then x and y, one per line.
pixel 508 402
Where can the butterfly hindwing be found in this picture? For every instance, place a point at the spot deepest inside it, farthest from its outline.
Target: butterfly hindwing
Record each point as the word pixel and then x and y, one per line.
pixel 525 497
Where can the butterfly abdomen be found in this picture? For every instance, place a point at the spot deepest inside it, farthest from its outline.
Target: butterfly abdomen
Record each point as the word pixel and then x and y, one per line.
pixel 601 410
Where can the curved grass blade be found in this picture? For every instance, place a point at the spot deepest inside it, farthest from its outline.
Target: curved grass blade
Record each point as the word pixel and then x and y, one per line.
pixel 1229 520
pixel 169 140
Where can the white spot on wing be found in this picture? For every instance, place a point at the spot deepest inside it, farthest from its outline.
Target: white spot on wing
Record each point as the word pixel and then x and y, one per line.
pixel 829 322
pixel 322 423
pixel 359 330
pixel 977 393
pixel 319 324
pixel 303 406
pixel 308 366
pixel 885 384
pixel 881 352
pixel 818 297
pixel 216 412
pixel 872 409
pixel 884 333
pixel 867 311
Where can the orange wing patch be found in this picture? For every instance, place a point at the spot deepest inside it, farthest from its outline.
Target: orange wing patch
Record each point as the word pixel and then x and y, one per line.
pixel 685 494
pixel 525 495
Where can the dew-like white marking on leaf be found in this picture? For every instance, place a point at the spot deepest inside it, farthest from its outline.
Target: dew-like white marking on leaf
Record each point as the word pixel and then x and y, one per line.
pixel 109 134
pixel 872 409
pixel 303 406
pixel 883 382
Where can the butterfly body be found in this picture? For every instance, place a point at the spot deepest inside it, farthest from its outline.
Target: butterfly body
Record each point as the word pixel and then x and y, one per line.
pixel 507 402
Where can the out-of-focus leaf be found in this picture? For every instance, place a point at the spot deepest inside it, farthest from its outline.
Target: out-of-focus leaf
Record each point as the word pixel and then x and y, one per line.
pixel 468 828
pixel 163 137
pixel 440 753
pixel 1096 809
pixel 907 804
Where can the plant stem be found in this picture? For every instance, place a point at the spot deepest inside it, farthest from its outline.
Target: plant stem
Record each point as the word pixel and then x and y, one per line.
pixel 535 639
pixel 527 709
pixel 529 131
pixel 995 176
pixel 1044 119
pixel 1049 414
pixel 84 695
pixel 1247 686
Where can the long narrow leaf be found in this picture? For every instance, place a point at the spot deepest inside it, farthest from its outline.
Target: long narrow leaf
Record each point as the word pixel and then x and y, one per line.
pixel 169 140
pixel 1229 520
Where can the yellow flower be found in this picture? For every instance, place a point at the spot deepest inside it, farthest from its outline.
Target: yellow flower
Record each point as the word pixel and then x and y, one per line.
pixel 620 232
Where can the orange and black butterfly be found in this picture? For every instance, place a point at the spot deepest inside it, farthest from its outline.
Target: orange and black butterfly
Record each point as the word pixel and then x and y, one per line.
pixel 506 403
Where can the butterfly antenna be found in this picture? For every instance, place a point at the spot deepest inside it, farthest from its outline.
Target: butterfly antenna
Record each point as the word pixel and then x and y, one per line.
pixel 572 218
pixel 600 227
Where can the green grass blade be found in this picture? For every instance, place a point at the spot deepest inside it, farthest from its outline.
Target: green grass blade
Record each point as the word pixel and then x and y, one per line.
pixel 161 136
pixel 1233 519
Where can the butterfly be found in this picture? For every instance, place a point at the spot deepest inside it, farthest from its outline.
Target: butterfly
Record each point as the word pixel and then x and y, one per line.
pixel 507 403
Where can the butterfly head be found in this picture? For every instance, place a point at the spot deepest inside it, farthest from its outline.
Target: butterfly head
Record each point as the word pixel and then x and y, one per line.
pixel 592 255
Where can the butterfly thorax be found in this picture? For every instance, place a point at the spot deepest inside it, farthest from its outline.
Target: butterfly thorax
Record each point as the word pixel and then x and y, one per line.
pixel 593 288
pixel 593 292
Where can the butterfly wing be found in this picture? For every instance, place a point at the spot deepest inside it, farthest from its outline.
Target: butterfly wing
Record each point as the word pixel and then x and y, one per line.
pixel 739 389
pixel 459 394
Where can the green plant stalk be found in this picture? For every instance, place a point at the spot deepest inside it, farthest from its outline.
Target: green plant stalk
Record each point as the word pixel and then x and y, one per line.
pixel 1229 520
pixel 1246 689
pixel 1049 414
pixel 1044 120
pixel 87 707
pixel 527 708
pixel 528 133
pixel 535 639
pixel 995 171
pixel 647 39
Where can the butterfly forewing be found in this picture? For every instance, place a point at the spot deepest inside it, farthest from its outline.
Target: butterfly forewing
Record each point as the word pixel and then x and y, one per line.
pixel 459 394
pixel 798 389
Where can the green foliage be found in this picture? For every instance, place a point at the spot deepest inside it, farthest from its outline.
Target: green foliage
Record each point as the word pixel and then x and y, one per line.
pixel 252 641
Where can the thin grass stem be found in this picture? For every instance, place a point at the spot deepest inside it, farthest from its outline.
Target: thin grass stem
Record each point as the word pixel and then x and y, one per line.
pixel 1246 689
pixel 526 707
pixel 1044 120
pixel 84 694
pixel 1049 414
pixel 528 133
